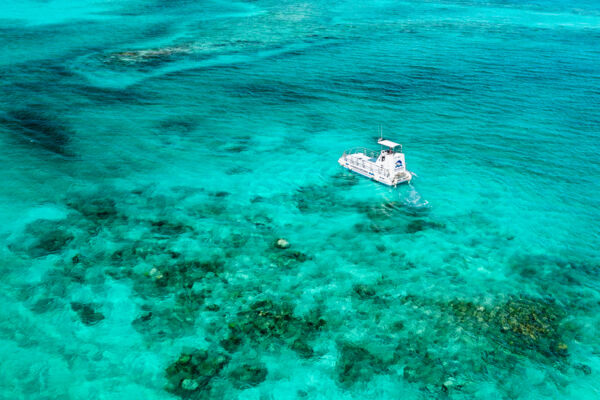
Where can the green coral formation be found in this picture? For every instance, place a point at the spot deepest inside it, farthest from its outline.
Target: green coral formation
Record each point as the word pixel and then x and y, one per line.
pixel 220 295
pixel 266 320
pixel 194 372
pixel 521 325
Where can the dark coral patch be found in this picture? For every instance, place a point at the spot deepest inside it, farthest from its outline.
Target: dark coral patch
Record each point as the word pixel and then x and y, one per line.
pixel 345 179
pixel 364 291
pixel 194 371
pixel 287 258
pixel 314 199
pixel 87 313
pixel 522 325
pixel 356 364
pixel 97 209
pixel 34 126
pixel 248 375
pixel 44 305
pixel 169 228
pixel 419 225
pixel 266 320
pixel 44 237
pixel 159 323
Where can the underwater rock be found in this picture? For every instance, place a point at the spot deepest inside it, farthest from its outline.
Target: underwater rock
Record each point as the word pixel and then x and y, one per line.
pixel 149 55
pixel 364 291
pixel 145 316
pixel 266 320
pixel 189 283
pixel 237 240
pixel 157 323
pixel 356 364
pixel 504 332
pixel 315 198
pixel 409 374
pixel 586 369
pixel 419 225
pixel 240 171
pixel 95 209
pixel 385 211
pixel 184 274
pixel 248 375
pixel 86 313
pixel 75 272
pixel 520 325
pixel 155 274
pixel 181 125
pixel 188 302
pixel 398 325
pixel 194 371
pixel 189 384
pixel 167 228
pixel 214 265
pixel 421 367
pixel 282 244
pixel 260 220
pixel 48 238
pixel 128 255
pixel 37 128
pixel 451 385
pixel 302 348
pixel 213 307
pixel 345 179
pixel 53 242
pixel 232 342
pixel 287 258
pixel 382 218
pixel 298 256
pixel 44 305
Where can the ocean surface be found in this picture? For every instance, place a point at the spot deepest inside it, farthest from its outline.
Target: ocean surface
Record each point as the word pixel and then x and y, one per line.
pixel 153 152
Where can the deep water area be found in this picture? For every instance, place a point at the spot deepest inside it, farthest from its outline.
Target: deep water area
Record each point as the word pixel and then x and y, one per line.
pixel 174 223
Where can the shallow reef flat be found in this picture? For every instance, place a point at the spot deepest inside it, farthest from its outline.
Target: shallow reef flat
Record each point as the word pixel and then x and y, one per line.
pixel 214 289
pixel 174 225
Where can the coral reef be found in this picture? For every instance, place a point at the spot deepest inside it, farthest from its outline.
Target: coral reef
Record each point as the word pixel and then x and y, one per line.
pixel 248 375
pixel 194 371
pixel 521 325
pixel 149 55
pixel 356 364
pixel 36 127
pixel 87 313
pixel 266 320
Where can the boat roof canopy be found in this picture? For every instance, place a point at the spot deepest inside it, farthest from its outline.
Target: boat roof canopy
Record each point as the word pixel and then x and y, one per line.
pixel 388 143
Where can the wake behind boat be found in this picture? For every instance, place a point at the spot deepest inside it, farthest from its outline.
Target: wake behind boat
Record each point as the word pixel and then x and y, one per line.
pixel 386 166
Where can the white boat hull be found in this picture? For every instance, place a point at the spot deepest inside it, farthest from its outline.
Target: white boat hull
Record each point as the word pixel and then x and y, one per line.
pixel 372 171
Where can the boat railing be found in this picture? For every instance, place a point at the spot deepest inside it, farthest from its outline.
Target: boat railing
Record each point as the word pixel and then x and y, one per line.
pixel 365 164
pixel 356 150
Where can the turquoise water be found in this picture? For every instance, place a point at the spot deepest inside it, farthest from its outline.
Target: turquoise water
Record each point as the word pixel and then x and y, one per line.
pixel 153 152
